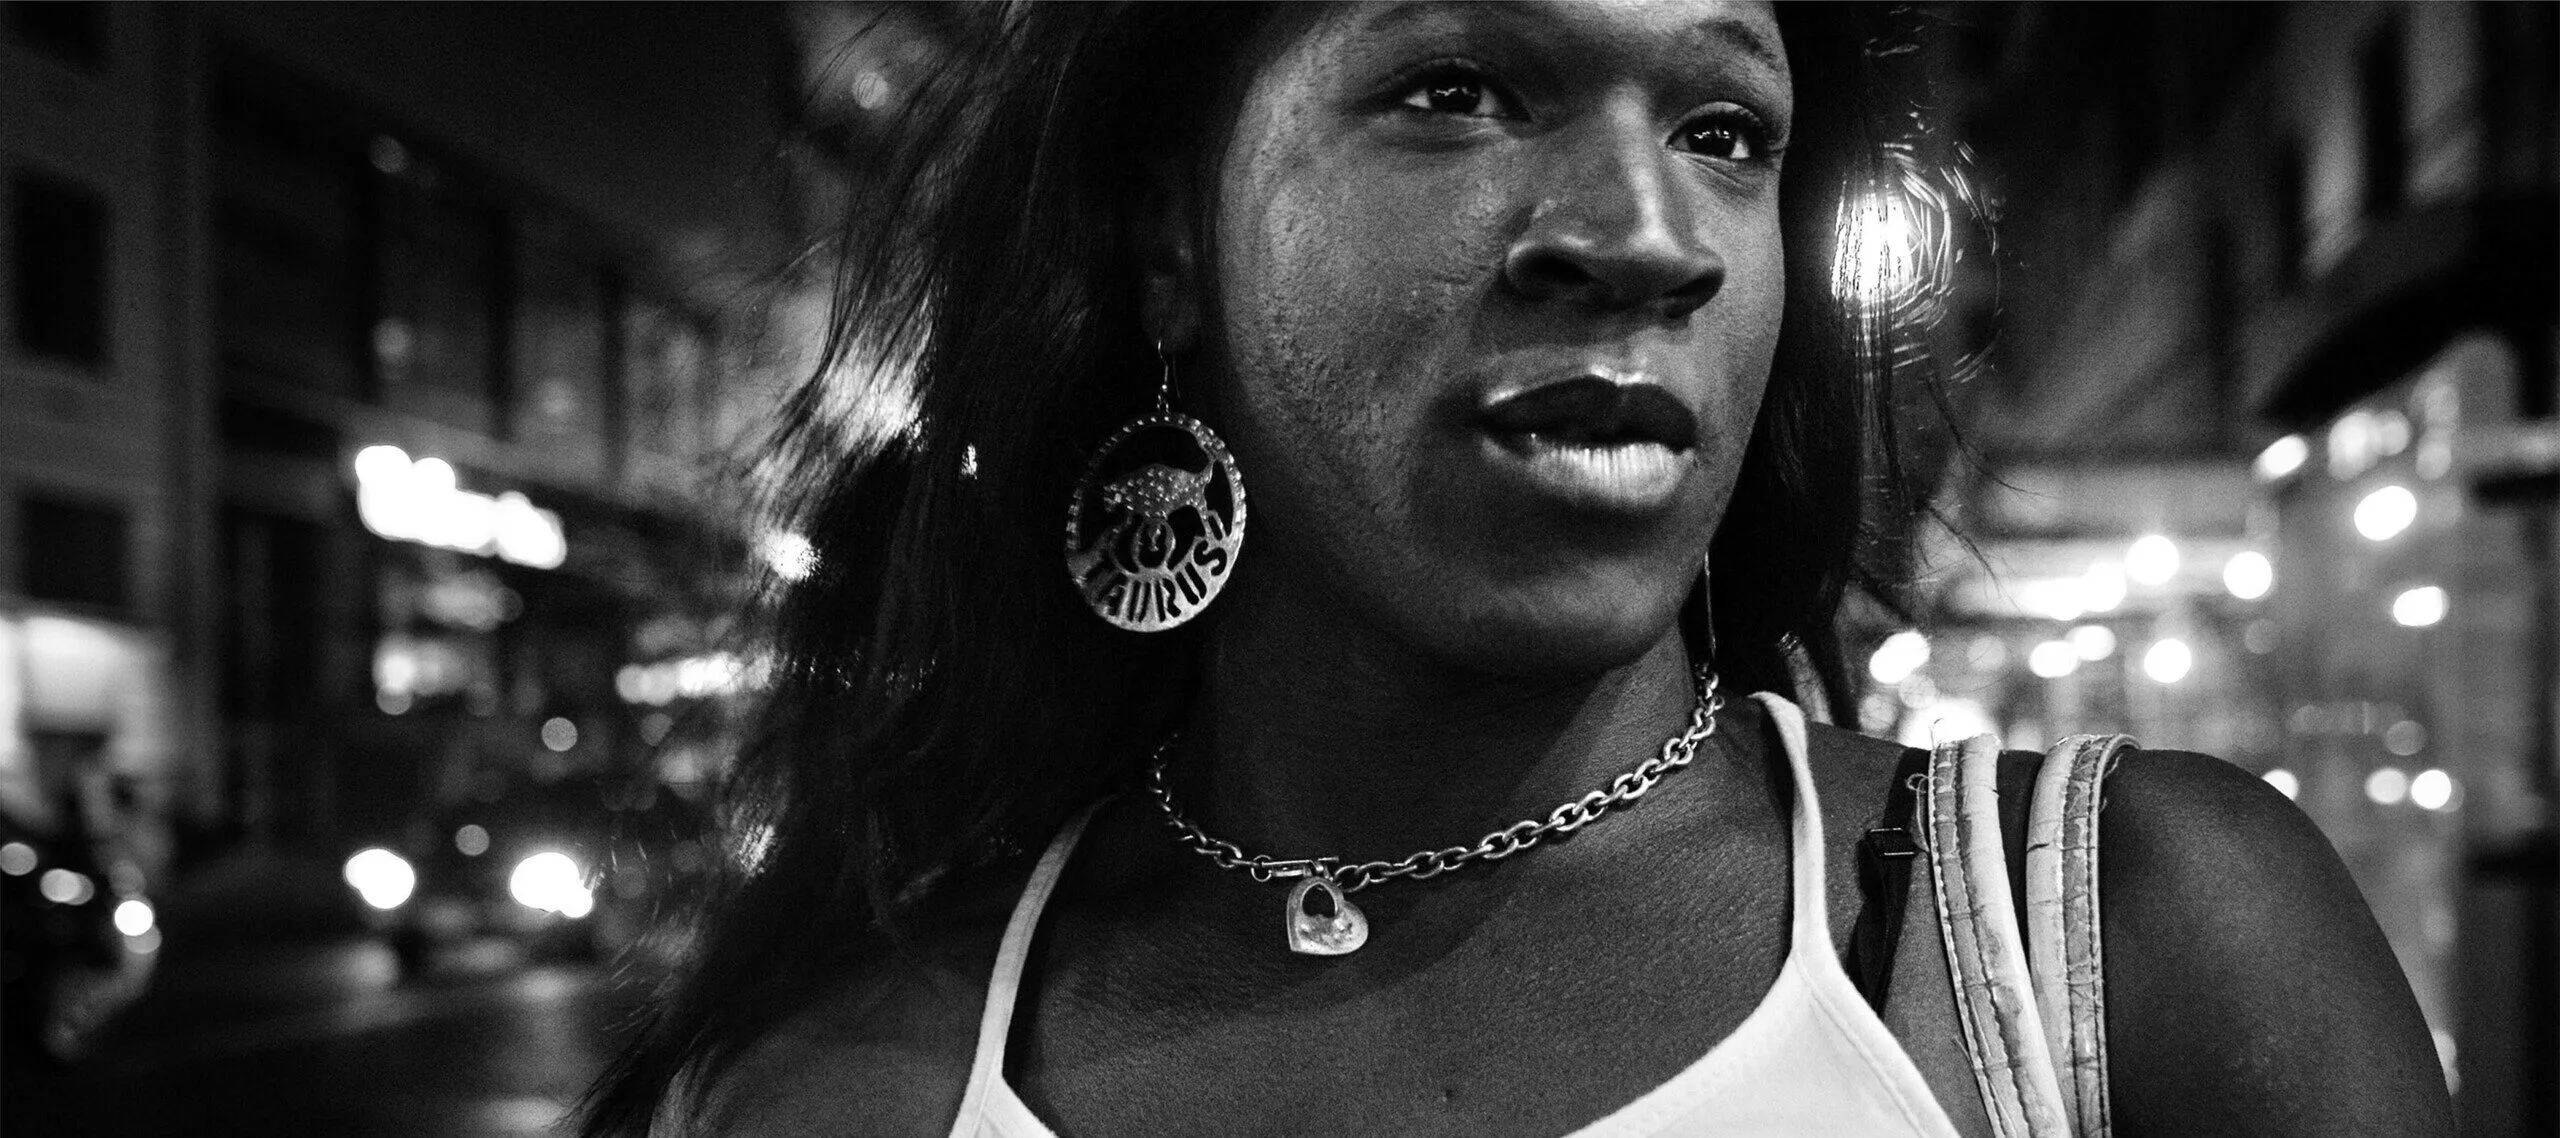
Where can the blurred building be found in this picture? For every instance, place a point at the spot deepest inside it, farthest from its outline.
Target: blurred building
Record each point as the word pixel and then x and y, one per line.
pixel 371 384
pixel 2269 449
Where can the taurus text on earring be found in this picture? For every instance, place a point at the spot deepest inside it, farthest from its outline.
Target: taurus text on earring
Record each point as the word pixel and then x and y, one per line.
pixel 1157 520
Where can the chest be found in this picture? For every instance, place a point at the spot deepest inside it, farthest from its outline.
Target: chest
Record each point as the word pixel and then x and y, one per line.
pixel 1480 1007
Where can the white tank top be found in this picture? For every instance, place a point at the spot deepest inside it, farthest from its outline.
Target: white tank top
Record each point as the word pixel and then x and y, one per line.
pixel 1812 1059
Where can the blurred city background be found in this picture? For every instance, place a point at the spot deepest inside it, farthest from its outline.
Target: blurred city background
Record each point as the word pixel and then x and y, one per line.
pixel 379 391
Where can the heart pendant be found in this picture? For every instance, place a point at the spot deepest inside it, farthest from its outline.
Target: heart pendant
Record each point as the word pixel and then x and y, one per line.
pixel 1342 932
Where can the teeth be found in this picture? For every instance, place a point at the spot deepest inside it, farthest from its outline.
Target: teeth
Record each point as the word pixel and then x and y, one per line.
pixel 1575 439
pixel 1624 473
pixel 1615 465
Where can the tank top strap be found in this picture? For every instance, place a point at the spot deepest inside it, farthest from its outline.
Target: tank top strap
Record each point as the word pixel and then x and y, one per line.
pixel 1810 929
pixel 995 1024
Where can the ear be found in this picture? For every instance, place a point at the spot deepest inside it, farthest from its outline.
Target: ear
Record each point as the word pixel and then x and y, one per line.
pixel 1171 260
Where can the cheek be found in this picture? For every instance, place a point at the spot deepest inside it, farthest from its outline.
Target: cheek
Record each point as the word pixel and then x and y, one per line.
pixel 1339 284
pixel 1747 340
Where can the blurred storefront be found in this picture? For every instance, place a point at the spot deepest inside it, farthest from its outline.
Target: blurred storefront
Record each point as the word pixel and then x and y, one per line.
pixel 375 385
pixel 2415 629
pixel 2269 453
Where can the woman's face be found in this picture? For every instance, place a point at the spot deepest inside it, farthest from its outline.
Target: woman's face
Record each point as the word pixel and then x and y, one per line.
pixel 1498 289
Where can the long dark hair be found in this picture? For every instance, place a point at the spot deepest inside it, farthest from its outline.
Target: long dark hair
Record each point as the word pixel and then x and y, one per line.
pixel 941 700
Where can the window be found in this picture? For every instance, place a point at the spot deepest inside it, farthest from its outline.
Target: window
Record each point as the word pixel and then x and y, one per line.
pixel 437 276
pixel 665 354
pixel 560 324
pixel 59 233
pixel 286 296
pixel 73 31
pixel 73 551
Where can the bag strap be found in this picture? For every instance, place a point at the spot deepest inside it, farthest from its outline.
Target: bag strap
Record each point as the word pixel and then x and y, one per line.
pixel 2063 947
pixel 1884 881
pixel 1986 958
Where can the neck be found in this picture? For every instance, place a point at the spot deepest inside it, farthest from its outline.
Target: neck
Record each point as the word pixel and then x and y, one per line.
pixel 1322 741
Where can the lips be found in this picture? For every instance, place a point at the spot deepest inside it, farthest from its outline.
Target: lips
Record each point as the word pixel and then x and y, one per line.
pixel 1589 411
pixel 1589 443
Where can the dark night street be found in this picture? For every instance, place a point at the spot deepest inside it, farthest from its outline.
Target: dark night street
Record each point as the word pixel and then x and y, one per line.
pixel 316 1033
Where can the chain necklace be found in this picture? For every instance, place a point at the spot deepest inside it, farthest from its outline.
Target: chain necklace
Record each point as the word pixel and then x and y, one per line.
pixel 1346 929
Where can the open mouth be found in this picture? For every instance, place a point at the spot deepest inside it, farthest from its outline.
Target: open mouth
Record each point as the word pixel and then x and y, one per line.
pixel 1592 412
pixel 1594 443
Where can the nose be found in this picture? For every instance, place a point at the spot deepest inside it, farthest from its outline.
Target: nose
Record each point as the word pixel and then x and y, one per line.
pixel 1618 229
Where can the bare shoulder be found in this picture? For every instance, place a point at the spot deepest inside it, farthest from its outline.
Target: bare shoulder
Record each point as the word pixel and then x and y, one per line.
pixel 2249 990
pixel 884 1053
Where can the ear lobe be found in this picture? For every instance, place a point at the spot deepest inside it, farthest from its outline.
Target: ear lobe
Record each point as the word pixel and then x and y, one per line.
pixel 1169 258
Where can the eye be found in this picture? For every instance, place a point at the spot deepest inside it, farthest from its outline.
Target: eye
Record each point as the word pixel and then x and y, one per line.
pixel 1454 90
pixel 1729 132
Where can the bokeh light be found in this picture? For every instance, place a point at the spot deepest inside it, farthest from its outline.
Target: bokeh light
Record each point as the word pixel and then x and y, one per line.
pixel 551 882
pixel 2093 642
pixel 2053 659
pixel 2419 607
pixel 559 734
pixel 2102 587
pixel 134 917
pixel 1900 655
pixel 2388 786
pixel 65 887
pixel 2168 661
pixel 2248 575
pixel 2282 457
pixel 2404 738
pixel 2151 560
pixel 383 878
pixel 2385 513
pixel 2431 789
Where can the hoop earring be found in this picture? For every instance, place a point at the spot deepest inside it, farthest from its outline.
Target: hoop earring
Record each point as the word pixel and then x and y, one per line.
pixel 1157 521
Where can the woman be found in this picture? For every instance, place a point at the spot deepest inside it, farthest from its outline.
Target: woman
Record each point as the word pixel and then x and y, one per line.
pixel 1500 324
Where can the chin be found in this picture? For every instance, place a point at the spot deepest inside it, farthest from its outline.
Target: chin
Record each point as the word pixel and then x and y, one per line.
pixel 1559 630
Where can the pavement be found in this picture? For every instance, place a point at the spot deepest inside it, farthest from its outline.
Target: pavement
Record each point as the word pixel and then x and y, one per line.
pixel 270 1009
pixel 261 896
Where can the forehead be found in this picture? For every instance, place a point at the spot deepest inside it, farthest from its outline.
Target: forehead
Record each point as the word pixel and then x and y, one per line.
pixel 1677 34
